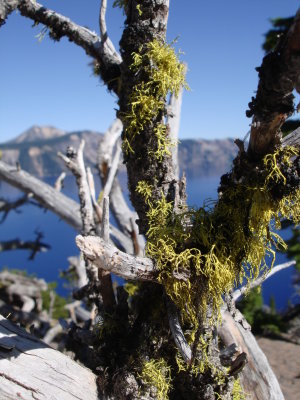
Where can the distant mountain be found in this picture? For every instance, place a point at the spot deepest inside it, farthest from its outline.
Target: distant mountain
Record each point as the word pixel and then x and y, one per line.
pixel 199 157
pixel 36 133
pixel 36 150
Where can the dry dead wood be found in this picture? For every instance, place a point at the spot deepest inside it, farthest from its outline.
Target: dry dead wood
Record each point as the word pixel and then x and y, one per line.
pixel 30 369
pixel 257 378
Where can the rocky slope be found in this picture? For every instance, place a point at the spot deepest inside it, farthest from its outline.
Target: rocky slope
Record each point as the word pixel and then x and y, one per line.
pixel 36 150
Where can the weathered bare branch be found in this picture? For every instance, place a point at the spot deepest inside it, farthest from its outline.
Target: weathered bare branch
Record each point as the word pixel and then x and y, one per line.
pixel 7 206
pixel 91 183
pixel 102 21
pixel 125 218
pixel 74 161
pixel 6 8
pixel 105 220
pixel 33 246
pixel 109 258
pixel 112 171
pixel 245 289
pixel 60 26
pixel 278 77
pixel 47 196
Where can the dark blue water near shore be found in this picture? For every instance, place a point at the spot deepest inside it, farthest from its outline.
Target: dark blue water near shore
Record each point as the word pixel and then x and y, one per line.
pixel 61 239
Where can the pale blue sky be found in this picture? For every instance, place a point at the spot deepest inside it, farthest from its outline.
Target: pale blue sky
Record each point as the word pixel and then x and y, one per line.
pixel 51 83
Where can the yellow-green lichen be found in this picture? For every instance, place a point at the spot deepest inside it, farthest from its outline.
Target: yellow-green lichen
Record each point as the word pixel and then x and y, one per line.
pixel 202 254
pixel 157 374
pixel 131 288
pixel 271 162
pixel 161 73
pixel 138 7
pixel 237 391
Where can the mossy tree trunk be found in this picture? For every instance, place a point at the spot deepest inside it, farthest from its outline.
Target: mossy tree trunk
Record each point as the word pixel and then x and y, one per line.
pixel 196 256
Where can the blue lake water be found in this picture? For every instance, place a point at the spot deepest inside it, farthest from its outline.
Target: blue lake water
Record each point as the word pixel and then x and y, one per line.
pixel 61 239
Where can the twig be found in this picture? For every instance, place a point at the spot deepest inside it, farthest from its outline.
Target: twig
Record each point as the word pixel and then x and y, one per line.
pixel 58 185
pixel 17 244
pixel 240 292
pixel 102 21
pixel 91 184
pixel 124 217
pixel 105 220
pixel 52 333
pixel 7 206
pixel 78 264
pixel 112 172
pixel 51 304
pixel 74 161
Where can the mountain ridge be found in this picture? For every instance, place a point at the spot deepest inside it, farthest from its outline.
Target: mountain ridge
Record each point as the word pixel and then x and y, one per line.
pixel 36 151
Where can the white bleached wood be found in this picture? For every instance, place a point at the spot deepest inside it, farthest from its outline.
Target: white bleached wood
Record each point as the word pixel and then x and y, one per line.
pixel 76 165
pixel 105 220
pixel 107 257
pixel 112 171
pixel 124 217
pixel 31 370
pixel 66 208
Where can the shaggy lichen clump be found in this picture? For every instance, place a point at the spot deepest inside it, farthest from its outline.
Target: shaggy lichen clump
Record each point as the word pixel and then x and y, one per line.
pixel 160 73
pixel 202 254
pixel 157 374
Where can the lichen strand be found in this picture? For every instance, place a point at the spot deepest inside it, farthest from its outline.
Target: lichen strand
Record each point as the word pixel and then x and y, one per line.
pixel 202 254
pixel 237 391
pixel 161 73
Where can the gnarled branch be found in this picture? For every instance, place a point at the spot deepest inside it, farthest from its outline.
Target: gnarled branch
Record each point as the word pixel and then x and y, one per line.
pixel 107 257
pixel 59 26
pixel 279 75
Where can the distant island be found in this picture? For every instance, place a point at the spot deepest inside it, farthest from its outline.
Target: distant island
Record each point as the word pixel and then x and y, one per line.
pixel 36 151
